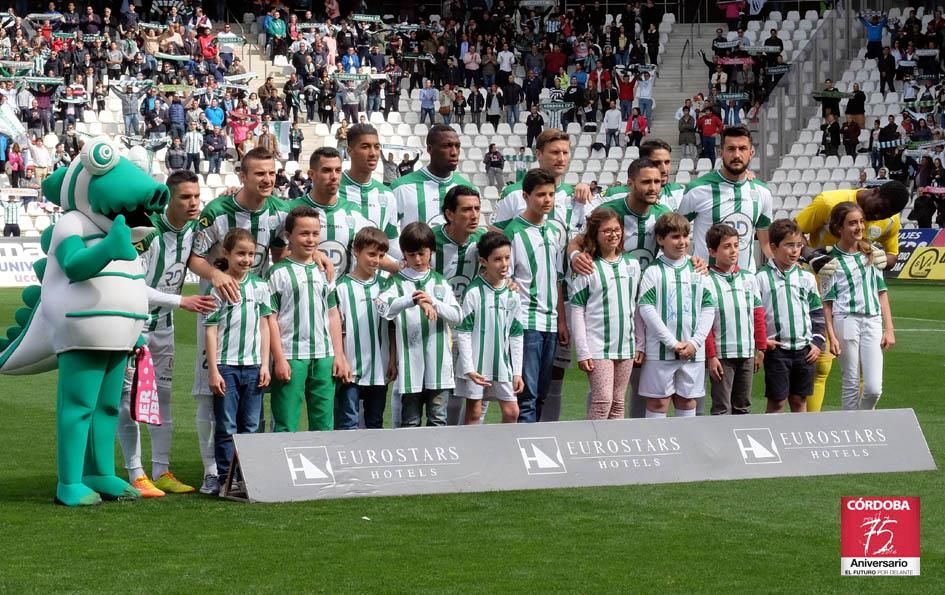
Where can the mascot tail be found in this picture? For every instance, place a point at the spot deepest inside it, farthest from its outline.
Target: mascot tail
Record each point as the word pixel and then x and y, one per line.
pixel 27 347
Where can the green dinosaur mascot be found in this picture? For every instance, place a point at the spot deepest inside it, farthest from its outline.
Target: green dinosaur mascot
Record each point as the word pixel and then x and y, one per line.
pixel 89 312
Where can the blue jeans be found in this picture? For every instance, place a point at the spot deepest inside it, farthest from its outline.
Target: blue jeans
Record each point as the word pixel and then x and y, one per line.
pixel 424 112
pixel 539 357
pixel 413 404
pixel 236 412
pixel 708 148
pixel 488 80
pixel 348 399
pixel 131 124
pixel 646 107
pixel 612 133
pixel 214 160
pixel 626 109
pixel 373 105
pixel 177 130
pixel 511 114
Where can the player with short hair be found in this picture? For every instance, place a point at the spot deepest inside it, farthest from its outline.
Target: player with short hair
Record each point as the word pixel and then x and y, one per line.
pixel 489 338
pixel 366 341
pixel 881 208
pixel 358 186
pixel 305 331
pixel 419 193
pixel 794 319
pixel 421 303
pixel 659 152
pixel 537 268
pixel 456 256
pixel 340 219
pixel 164 255
pixel 735 346
pixel 728 196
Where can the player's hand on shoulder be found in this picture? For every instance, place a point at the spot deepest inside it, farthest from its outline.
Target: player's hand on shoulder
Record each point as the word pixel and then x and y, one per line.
pixel 226 286
pixel 200 304
pixel 582 263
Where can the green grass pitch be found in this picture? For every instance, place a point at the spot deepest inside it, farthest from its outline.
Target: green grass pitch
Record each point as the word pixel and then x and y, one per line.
pixel 759 536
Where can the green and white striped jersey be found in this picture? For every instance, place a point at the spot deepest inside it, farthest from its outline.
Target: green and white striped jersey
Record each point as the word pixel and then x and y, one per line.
pixel 239 341
pixel 746 206
pixel 670 195
pixel 376 201
pixel 164 255
pixel 537 255
pixel 340 222
pixel 419 196
pixel 301 299
pixel 365 331
pixel 736 297
pixel 788 297
pixel 855 287
pixel 424 356
pixel 638 237
pixel 223 214
pixel 457 263
pixel 606 300
pixel 679 295
pixel 567 213
pixel 489 339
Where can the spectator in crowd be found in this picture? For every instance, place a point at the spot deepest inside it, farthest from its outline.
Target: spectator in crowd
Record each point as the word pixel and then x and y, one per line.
pixel 341 138
pixel 611 125
pixel 733 11
pixel 391 172
pixel 407 164
pixel 923 210
pixel 687 134
pixel 214 147
pixel 856 106
pixel 636 128
pixel 874 34
pixel 428 101
pixel 176 157
pixel 887 71
pixel 494 104
pixel 445 102
pixel 831 136
pixel 709 126
pixel 494 163
pixel 830 104
pixel 850 132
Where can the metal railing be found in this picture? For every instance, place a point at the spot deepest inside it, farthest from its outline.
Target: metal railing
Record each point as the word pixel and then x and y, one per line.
pixel 682 56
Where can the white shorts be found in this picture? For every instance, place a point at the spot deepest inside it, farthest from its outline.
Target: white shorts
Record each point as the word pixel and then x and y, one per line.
pixel 660 379
pixel 499 391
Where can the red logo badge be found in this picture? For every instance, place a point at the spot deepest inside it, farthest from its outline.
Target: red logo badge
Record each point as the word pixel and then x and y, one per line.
pixel 879 536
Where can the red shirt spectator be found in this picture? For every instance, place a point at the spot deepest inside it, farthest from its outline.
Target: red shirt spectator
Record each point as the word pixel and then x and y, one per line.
pixel 626 89
pixel 554 61
pixel 709 124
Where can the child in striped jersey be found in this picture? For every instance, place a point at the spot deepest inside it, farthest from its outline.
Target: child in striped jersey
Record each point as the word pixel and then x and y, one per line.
pixel 677 309
pixel 305 332
pixel 421 304
pixel 602 306
pixel 795 316
pixel 366 340
pixel 237 349
pixel 489 340
pixel 735 346
pixel 856 309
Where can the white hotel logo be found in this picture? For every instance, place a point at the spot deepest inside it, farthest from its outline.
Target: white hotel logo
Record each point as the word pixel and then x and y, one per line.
pixel 309 466
pixel 757 446
pixel 541 456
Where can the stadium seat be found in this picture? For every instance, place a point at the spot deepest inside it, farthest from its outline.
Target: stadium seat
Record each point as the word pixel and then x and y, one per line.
pixel 491 193
pixel 830 161
pixel 577 165
pixel 572 178
pixel 393 118
pixel 580 152
pixel 610 165
pixel 632 153
pixel 853 174
pixel 487 129
pixel 789 202
pixel 503 129
pixel 823 175
pixel 469 166
pixel 799 189
pixel 486 205
pixel 703 164
pixel 776 16
pixel 793 15
pixel 480 180
pixel 475 155
pixel 785 189
pixel 829 186
pixel 838 175
pixel 588 177
pixel 683 177
pixel 809 175
pixel 846 161
pixel 686 164
pixel 778 176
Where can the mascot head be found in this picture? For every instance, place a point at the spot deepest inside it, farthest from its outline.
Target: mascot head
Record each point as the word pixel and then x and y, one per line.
pixel 102 185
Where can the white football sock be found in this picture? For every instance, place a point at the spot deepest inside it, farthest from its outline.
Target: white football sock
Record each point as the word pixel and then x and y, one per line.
pixel 206 424
pixel 654 414
pixel 161 435
pixel 129 435
pixel 685 413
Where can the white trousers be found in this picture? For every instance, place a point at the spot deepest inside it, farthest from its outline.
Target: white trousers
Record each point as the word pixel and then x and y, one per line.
pixel 861 358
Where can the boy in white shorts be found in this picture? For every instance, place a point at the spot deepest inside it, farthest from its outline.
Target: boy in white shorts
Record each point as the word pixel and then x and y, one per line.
pixel 678 310
pixel 489 339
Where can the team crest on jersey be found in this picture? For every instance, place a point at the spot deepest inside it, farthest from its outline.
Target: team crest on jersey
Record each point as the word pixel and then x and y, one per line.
pixel 204 222
pixel 439 292
pixel 873 232
pixel 743 224
pixel 643 256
